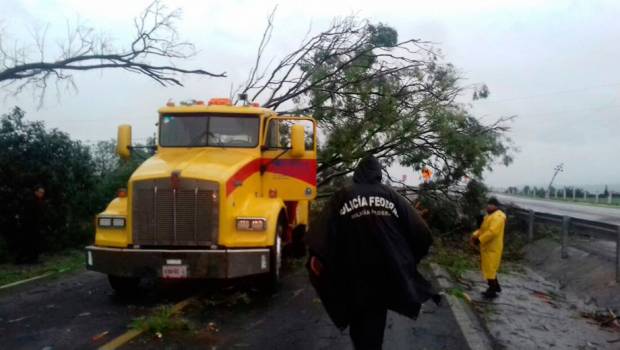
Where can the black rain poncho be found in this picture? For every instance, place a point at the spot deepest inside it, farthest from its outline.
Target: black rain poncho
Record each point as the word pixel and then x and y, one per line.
pixel 369 241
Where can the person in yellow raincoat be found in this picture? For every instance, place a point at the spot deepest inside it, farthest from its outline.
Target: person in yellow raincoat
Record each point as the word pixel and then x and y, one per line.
pixel 490 238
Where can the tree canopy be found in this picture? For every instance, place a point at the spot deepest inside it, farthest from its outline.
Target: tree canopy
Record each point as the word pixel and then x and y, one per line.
pixel 375 94
pixel 33 157
pixel 78 180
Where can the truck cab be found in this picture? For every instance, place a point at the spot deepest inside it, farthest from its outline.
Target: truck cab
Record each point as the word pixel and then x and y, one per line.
pixel 226 190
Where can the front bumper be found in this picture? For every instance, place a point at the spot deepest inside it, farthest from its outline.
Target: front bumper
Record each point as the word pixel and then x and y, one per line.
pixel 221 263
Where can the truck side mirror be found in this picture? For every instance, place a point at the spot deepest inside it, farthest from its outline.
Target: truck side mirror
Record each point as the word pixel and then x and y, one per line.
pixel 298 146
pixel 123 141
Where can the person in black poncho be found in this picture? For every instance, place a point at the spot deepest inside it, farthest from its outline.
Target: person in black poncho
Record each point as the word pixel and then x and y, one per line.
pixel 364 252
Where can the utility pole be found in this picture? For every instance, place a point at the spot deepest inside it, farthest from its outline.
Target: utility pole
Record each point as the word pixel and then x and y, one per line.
pixel 558 168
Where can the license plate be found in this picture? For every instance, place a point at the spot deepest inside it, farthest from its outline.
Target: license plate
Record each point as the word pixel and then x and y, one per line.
pixel 174 271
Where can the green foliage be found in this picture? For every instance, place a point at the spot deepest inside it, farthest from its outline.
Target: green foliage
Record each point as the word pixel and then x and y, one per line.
pixel 400 113
pixel 4 249
pixel 454 257
pixel 457 292
pixel 372 93
pixel 444 216
pixel 79 182
pixel 111 173
pixel 453 213
pixel 382 36
pixel 33 156
pixel 481 93
pixel 473 201
pixel 160 322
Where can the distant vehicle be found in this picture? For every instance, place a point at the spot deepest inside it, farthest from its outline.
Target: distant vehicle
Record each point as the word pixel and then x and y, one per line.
pixel 227 189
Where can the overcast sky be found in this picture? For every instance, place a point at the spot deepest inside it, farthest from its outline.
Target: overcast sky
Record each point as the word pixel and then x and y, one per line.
pixel 553 64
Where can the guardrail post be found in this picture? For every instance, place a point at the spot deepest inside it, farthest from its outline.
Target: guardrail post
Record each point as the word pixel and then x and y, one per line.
pixel 565 223
pixel 618 254
pixel 530 225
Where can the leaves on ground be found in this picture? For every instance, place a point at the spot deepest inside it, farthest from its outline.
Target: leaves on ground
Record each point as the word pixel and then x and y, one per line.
pixel 162 320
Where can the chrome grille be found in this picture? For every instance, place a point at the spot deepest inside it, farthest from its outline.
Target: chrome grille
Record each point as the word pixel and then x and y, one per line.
pixel 185 216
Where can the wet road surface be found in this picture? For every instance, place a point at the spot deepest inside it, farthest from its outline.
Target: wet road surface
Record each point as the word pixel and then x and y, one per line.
pixel 294 319
pixel 69 312
pixel 593 213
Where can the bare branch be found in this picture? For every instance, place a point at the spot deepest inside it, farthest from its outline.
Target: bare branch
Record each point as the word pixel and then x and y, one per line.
pixel 373 94
pixel 156 39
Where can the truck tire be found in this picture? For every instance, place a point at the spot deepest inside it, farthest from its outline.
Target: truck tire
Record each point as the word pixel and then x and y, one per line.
pixel 125 286
pixel 275 259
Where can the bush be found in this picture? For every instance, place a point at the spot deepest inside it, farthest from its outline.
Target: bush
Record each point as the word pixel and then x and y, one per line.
pixel 473 202
pixel 34 157
pixel 111 173
pixel 78 181
pixel 442 210
pixel 450 213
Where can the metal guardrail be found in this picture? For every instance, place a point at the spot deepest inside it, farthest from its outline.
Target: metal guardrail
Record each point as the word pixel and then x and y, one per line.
pixel 609 231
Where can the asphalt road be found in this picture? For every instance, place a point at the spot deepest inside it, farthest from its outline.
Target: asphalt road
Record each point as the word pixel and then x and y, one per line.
pixel 67 313
pixel 601 245
pixel 586 212
pixel 294 319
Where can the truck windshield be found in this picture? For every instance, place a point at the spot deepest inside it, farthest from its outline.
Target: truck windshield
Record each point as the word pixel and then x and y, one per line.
pixel 201 130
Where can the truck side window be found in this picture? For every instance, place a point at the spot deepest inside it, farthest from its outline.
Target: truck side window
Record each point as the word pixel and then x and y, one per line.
pixel 279 133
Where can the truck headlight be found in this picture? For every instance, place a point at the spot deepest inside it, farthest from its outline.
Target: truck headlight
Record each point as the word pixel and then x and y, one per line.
pixel 251 224
pixel 118 222
pixel 106 221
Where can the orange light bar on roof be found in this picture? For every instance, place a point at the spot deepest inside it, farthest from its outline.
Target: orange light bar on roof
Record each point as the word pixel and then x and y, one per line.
pixel 220 102
pixel 255 104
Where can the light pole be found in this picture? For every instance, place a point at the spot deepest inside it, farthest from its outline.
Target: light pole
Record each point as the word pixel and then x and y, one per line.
pixel 558 168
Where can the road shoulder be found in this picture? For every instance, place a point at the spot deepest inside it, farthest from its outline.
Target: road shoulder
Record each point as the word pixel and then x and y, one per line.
pixel 533 312
pixel 474 331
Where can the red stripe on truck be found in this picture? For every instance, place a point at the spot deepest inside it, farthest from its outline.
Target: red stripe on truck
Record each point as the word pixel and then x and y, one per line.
pixel 300 169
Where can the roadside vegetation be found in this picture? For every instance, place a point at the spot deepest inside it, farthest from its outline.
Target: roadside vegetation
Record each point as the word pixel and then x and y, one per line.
pixel 161 321
pixel 451 248
pixel 62 262
pixel 78 182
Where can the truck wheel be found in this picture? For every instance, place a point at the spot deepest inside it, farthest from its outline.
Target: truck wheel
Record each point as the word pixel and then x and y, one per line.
pixel 275 259
pixel 125 286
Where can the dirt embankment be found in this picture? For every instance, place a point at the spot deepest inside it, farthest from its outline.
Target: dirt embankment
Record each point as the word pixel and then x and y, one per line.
pixel 588 272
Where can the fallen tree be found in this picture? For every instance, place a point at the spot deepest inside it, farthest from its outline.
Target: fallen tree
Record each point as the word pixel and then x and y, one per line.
pixel 374 94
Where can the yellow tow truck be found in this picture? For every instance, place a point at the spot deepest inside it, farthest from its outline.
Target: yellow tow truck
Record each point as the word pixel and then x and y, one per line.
pixel 227 188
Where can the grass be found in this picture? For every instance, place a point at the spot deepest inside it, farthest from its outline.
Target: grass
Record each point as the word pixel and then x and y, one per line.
pixel 457 292
pixel 159 322
pixel 454 256
pixel 67 261
pixel 457 257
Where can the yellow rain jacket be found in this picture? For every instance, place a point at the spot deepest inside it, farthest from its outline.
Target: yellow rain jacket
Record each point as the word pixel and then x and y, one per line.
pixel 491 236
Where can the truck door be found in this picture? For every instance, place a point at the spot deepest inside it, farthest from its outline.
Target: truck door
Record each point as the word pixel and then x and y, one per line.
pixel 292 178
